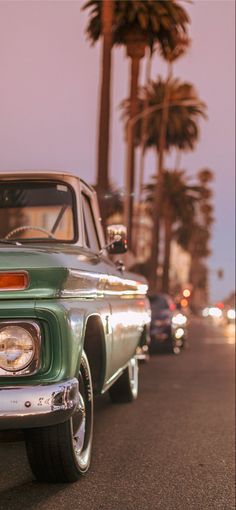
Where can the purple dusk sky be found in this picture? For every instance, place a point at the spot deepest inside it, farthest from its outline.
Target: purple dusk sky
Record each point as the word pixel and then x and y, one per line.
pixel 49 91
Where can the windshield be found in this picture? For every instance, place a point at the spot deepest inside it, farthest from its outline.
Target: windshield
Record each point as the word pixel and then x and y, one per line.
pixel 35 210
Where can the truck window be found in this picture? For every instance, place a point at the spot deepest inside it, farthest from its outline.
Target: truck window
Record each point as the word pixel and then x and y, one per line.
pixel 90 230
pixel 32 210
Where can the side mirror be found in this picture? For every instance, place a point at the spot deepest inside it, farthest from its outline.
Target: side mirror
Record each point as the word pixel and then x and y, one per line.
pixel 116 239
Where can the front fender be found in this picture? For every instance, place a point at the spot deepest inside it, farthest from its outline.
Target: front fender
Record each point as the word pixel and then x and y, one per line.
pixel 62 324
pixel 71 317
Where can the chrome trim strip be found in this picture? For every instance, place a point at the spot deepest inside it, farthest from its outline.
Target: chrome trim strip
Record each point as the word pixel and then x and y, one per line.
pixel 37 406
pixel 113 378
pixel 86 284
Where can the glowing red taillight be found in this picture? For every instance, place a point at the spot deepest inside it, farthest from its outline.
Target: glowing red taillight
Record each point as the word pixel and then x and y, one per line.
pixel 14 281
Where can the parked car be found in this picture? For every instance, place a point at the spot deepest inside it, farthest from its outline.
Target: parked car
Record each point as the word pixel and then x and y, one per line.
pixel 229 315
pixel 168 325
pixel 179 323
pixel 70 319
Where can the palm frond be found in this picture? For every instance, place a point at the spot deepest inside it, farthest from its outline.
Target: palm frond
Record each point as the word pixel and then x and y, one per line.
pixel 157 21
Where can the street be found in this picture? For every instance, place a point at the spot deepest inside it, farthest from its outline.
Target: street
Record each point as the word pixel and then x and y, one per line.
pixel 171 449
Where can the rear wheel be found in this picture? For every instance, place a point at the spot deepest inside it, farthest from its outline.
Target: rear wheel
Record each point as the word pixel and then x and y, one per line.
pixel 62 452
pixel 125 389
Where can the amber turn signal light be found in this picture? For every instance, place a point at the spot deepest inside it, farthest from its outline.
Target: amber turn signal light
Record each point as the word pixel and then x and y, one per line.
pixel 13 281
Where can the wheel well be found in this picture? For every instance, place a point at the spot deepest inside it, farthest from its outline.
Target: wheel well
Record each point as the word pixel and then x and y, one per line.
pixel 142 340
pixel 144 337
pixel 94 346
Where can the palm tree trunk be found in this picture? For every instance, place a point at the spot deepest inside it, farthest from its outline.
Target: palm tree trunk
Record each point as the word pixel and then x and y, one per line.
pixel 104 118
pixel 136 45
pixel 130 181
pixel 154 259
pixel 142 155
pixel 168 239
pixel 144 128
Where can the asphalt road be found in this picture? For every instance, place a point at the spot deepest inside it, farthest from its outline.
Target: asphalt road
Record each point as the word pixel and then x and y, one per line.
pixel 171 449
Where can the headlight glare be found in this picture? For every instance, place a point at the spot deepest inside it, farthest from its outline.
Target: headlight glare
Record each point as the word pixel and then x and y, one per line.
pixel 179 320
pixel 231 314
pixel 179 333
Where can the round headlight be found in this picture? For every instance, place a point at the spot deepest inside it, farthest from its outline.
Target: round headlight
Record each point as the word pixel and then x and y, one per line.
pixel 17 348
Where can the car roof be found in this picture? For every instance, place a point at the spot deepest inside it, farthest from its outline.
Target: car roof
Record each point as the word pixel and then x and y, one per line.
pixel 35 174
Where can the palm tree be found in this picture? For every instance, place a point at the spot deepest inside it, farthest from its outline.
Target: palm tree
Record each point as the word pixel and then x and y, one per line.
pixel 204 218
pixel 194 236
pixel 144 128
pixel 114 200
pixel 182 43
pixel 205 175
pixel 104 119
pixel 136 25
pixel 178 204
pixel 106 15
pixel 183 110
pixel 170 55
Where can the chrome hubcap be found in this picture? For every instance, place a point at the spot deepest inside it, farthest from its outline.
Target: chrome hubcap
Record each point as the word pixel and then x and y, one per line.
pixel 133 376
pixel 79 426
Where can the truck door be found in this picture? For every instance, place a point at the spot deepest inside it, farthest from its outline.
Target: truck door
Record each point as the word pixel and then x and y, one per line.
pixel 97 269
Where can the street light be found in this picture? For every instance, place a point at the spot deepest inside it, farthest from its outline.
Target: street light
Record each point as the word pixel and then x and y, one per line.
pixel 128 205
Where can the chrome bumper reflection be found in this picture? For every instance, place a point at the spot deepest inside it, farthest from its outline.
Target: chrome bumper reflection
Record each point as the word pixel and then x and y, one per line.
pixel 37 406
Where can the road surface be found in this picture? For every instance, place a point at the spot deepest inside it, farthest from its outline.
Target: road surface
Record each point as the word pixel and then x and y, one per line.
pixel 172 449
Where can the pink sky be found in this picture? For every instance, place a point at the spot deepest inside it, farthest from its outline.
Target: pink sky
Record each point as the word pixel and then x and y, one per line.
pixel 49 89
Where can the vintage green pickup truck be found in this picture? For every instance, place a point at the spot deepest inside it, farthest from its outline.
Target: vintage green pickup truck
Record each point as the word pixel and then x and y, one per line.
pixel 71 320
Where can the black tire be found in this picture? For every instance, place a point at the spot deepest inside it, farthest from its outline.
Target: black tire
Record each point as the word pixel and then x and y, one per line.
pixel 125 389
pixel 154 347
pixel 62 453
pixel 169 346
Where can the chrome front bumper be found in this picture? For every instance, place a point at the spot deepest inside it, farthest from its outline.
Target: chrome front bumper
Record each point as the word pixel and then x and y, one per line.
pixel 37 406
